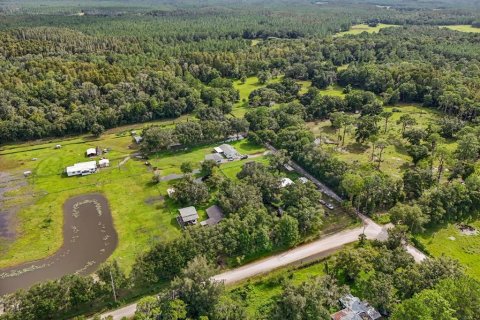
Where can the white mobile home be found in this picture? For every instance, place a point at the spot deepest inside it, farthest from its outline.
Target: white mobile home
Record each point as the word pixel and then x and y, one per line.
pixel 82 168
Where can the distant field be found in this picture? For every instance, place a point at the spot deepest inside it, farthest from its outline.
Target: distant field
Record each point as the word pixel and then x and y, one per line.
pixel 463 28
pixel 449 241
pixel 359 28
pixel 244 89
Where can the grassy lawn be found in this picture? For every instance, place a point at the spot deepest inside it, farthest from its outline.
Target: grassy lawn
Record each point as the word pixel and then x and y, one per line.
pixel 395 158
pixel 359 28
pixel 140 215
pixel 450 241
pixel 463 28
pixel 334 90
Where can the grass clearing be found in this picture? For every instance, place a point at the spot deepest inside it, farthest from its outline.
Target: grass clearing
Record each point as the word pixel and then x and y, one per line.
pixel 334 90
pixel 395 158
pixel 360 28
pixel 463 28
pixel 451 242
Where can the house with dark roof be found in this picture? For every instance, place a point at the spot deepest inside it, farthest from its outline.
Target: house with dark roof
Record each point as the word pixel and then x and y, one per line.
pixel 355 309
pixel 215 215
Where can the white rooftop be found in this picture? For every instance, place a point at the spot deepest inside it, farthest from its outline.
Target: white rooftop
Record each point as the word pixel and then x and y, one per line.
pixel 286 182
pixel 91 151
pixel 82 166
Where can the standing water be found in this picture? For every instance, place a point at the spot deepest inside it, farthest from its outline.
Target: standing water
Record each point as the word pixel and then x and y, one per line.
pixel 89 238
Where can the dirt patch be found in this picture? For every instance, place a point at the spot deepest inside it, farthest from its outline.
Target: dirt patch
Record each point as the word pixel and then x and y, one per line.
pixel 467 230
pixel 89 238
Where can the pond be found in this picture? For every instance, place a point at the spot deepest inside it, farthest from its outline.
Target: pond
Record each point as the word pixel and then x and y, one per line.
pixel 89 238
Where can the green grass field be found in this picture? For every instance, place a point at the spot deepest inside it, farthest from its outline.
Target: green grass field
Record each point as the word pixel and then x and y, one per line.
pixel 359 28
pixel 335 90
pixel 463 28
pixel 140 215
pixel 395 158
pixel 244 89
pixel 451 242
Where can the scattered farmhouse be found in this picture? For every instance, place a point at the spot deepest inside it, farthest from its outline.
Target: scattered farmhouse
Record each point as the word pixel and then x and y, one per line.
pixel 91 152
pixel 102 163
pixel 288 167
pixel 355 309
pixel 286 182
pixel 82 168
pixel 228 151
pixel 215 157
pixel 58 146
pixel 187 216
pixel 27 173
pixel 215 215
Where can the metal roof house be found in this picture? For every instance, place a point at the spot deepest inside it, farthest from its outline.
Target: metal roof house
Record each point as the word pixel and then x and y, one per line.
pixel 187 216
pixel 355 309
pixel 228 151
pixel 82 168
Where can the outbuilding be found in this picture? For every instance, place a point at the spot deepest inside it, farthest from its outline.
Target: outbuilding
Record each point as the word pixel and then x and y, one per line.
pixel 91 152
pixel 102 163
pixel 215 215
pixel 188 216
pixel 214 157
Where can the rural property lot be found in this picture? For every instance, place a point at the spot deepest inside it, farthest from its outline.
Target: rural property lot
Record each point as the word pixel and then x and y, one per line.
pixel 140 214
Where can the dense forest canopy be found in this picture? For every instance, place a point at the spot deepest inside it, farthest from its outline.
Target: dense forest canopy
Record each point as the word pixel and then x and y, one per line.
pixel 70 69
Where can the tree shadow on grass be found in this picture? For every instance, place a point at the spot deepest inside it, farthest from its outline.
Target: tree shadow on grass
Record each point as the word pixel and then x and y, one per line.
pixel 357 148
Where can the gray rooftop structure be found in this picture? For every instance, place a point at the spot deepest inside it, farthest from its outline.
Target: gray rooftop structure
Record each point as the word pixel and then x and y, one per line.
pixel 214 156
pixel 188 215
pixel 215 215
pixel 229 152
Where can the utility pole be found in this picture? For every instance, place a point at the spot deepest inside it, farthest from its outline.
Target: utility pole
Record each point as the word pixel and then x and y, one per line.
pixel 113 286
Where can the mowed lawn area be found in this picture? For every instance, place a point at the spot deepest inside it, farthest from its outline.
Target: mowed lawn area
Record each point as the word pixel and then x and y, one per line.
pixel 359 28
pixel 463 28
pixel 141 214
pixel 395 158
pixel 450 241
